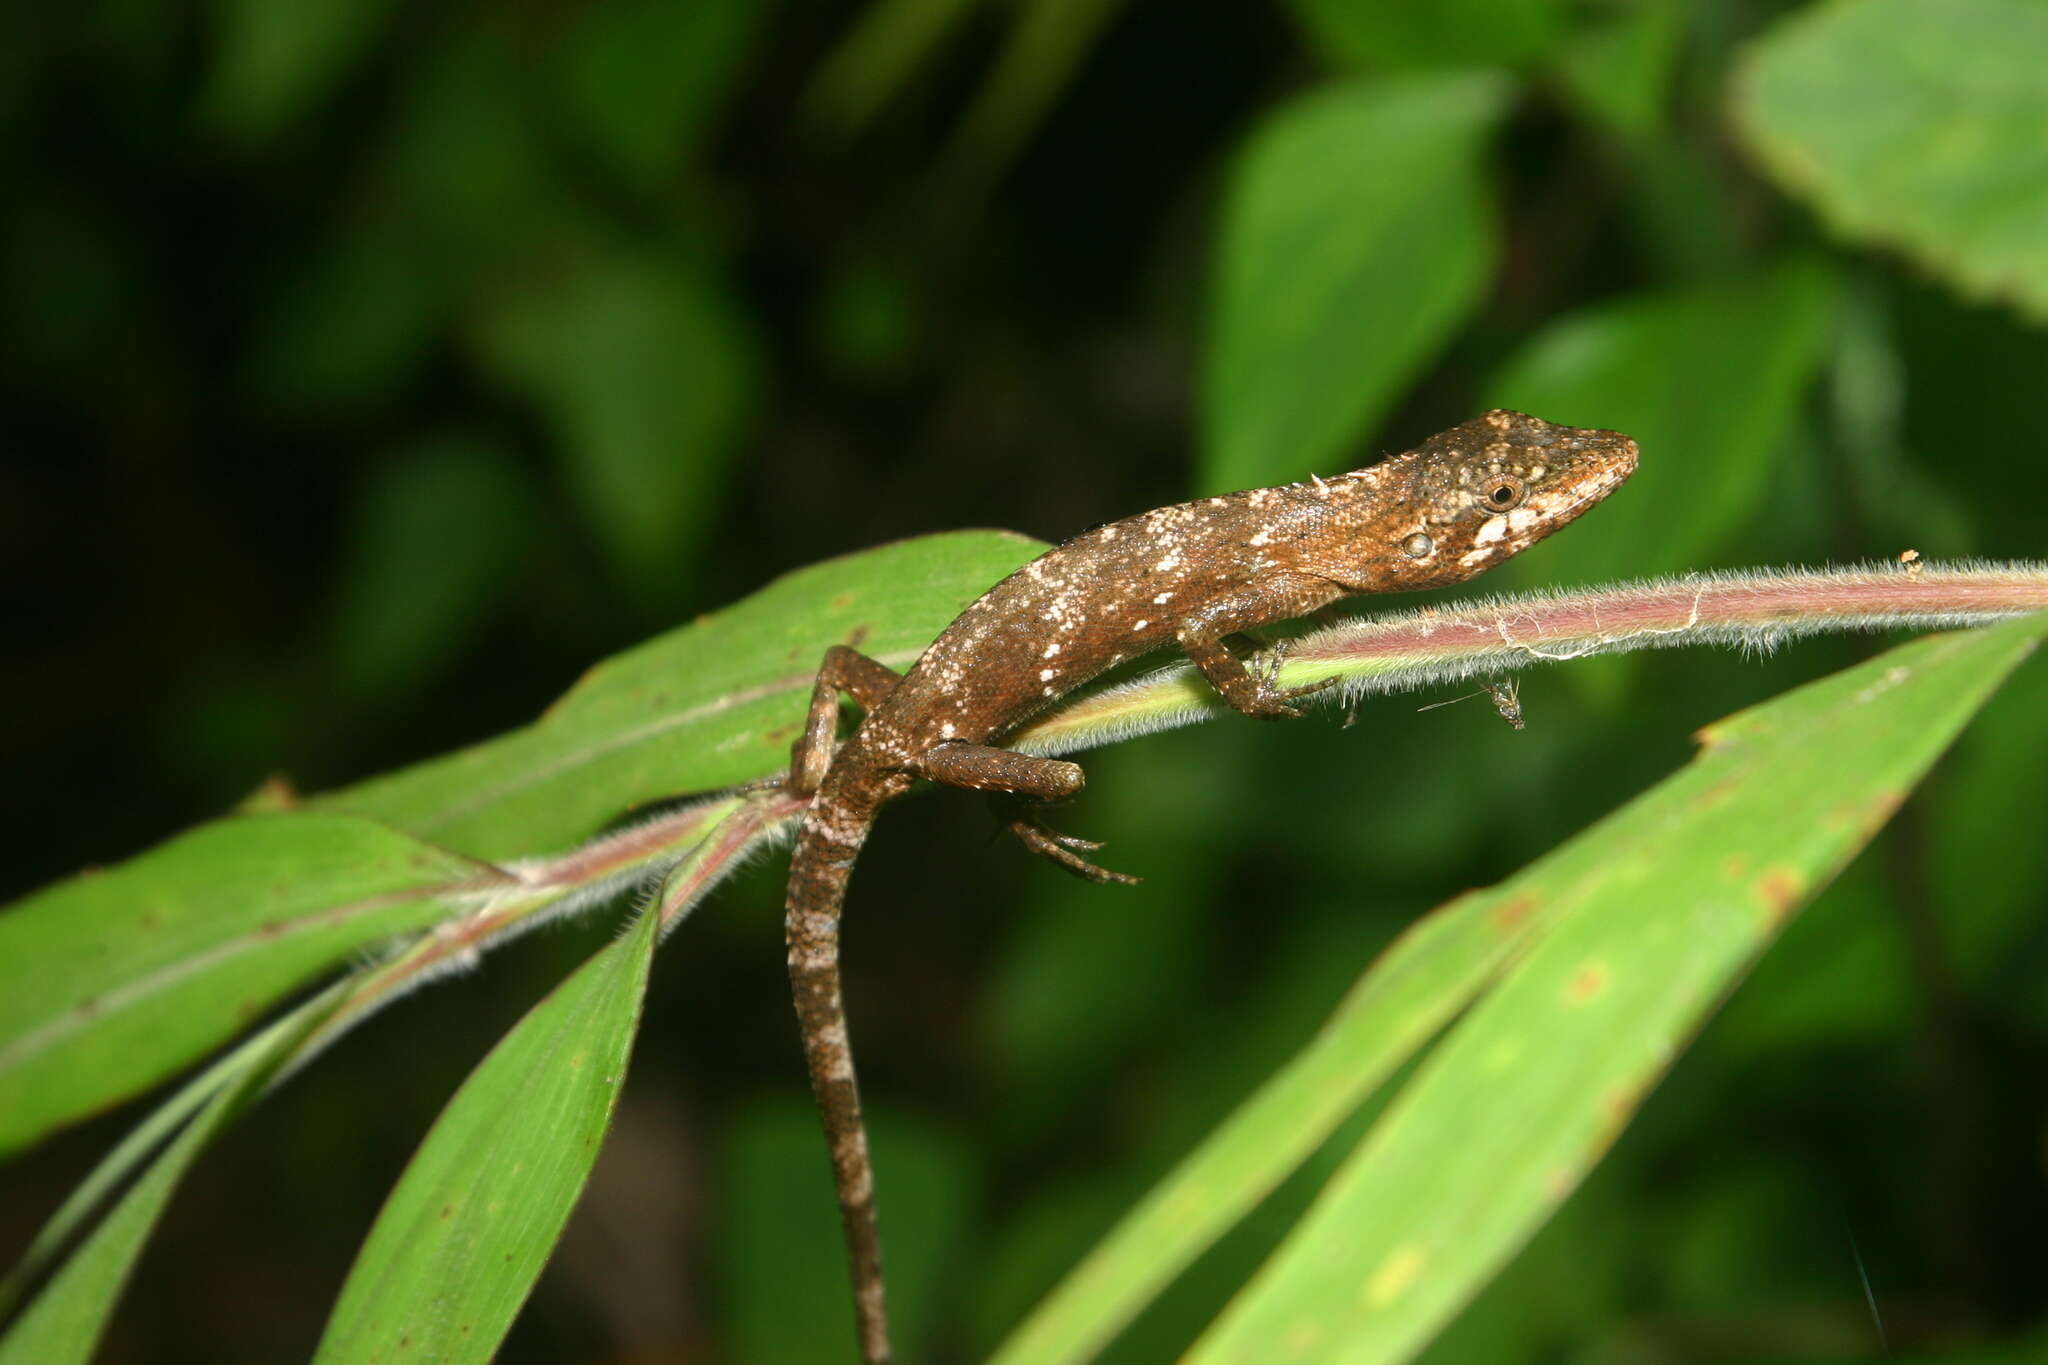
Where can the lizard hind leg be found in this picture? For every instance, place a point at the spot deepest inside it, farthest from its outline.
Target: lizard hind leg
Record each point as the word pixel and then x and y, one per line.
pixel 1016 782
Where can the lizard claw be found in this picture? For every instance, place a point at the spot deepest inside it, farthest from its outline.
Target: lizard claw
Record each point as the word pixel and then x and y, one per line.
pixel 1272 699
pixel 1064 851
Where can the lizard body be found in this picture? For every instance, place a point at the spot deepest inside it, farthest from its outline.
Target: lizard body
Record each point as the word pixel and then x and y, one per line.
pixel 1191 575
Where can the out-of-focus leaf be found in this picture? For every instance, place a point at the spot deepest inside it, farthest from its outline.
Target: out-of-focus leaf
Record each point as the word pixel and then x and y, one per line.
pixel 467 173
pixel 434 546
pixel 463 1237
pixel 113 978
pixel 1915 124
pixel 712 703
pixel 886 44
pixel 1627 936
pixel 1706 378
pixel 641 77
pixel 1619 70
pixel 1374 35
pixel 273 62
pixel 1355 237
pixel 650 377
pixel 866 324
pixel 1045 46
pixel 780 1248
pixel 345 325
pixel 78 292
pixel 1653 915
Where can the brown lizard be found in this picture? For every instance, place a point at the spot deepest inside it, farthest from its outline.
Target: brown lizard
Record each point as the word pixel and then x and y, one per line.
pixel 1190 575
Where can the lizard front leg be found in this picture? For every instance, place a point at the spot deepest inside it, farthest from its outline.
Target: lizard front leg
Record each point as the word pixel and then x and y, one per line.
pixel 845 669
pixel 1273 597
pixel 1013 779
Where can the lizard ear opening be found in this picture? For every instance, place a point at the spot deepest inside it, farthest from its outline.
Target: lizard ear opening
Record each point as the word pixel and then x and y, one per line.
pixel 1418 546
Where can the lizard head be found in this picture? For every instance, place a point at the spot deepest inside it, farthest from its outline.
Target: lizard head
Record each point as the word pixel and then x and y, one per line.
pixel 1487 489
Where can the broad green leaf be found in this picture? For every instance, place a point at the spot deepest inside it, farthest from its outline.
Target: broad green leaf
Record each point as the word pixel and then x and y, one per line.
pixel 1374 35
pixel 1355 237
pixel 709 704
pixel 1707 379
pixel 463 1237
pixel 1914 124
pixel 274 62
pixel 649 373
pixel 1654 915
pixel 1784 794
pixel 64 1323
pixel 112 978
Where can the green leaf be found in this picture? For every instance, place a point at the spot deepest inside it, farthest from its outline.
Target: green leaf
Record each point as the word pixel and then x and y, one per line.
pixel 274 62
pixel 877 57
pixel 113 978
pixel 712 703
pixel 1374 35
pixel 649 374
pixel 343 325
pixel 463 1237
pixel 1620 70
pixel 433 547
pixel 1654 915
pixel 66 1320
pixel 1708 380
pixel 1914 124
pixel 781 1261
pixel 1355 237
pixel 642 77
pixel 1670 897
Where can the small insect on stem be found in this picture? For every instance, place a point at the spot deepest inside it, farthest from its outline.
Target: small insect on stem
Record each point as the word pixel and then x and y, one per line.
pixel 1507 699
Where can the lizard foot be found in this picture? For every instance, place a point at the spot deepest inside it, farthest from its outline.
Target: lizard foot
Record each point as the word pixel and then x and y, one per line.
pixel 1065 850
pixel 1271 699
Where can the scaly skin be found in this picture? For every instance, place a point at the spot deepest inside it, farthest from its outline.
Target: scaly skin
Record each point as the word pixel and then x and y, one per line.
pixel 1190 575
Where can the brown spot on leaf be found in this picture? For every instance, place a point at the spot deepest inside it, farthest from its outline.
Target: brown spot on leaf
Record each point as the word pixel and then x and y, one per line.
pixel 447 1211
pixel 1588 983
pixel 148 920
pixel 1780 889
pixel 1512 912
pixel 1716 794
pixel 270 928
pixel 1735 866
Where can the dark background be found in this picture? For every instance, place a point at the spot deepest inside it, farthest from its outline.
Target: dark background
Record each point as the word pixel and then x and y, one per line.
pixel 370 370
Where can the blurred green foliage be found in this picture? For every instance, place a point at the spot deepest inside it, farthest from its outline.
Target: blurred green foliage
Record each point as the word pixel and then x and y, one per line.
pixel 370 370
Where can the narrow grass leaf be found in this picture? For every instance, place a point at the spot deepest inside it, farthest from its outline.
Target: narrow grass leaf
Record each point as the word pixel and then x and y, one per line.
pixel 1422 980
pixel 460 1242
pixel 64 1323
pixel 1654 914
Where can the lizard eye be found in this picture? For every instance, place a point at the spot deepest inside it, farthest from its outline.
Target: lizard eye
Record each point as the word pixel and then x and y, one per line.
pixel 1418 546
pixel 1503 493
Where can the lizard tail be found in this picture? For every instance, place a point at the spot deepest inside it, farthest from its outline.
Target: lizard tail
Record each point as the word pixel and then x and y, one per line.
pixel 826 846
